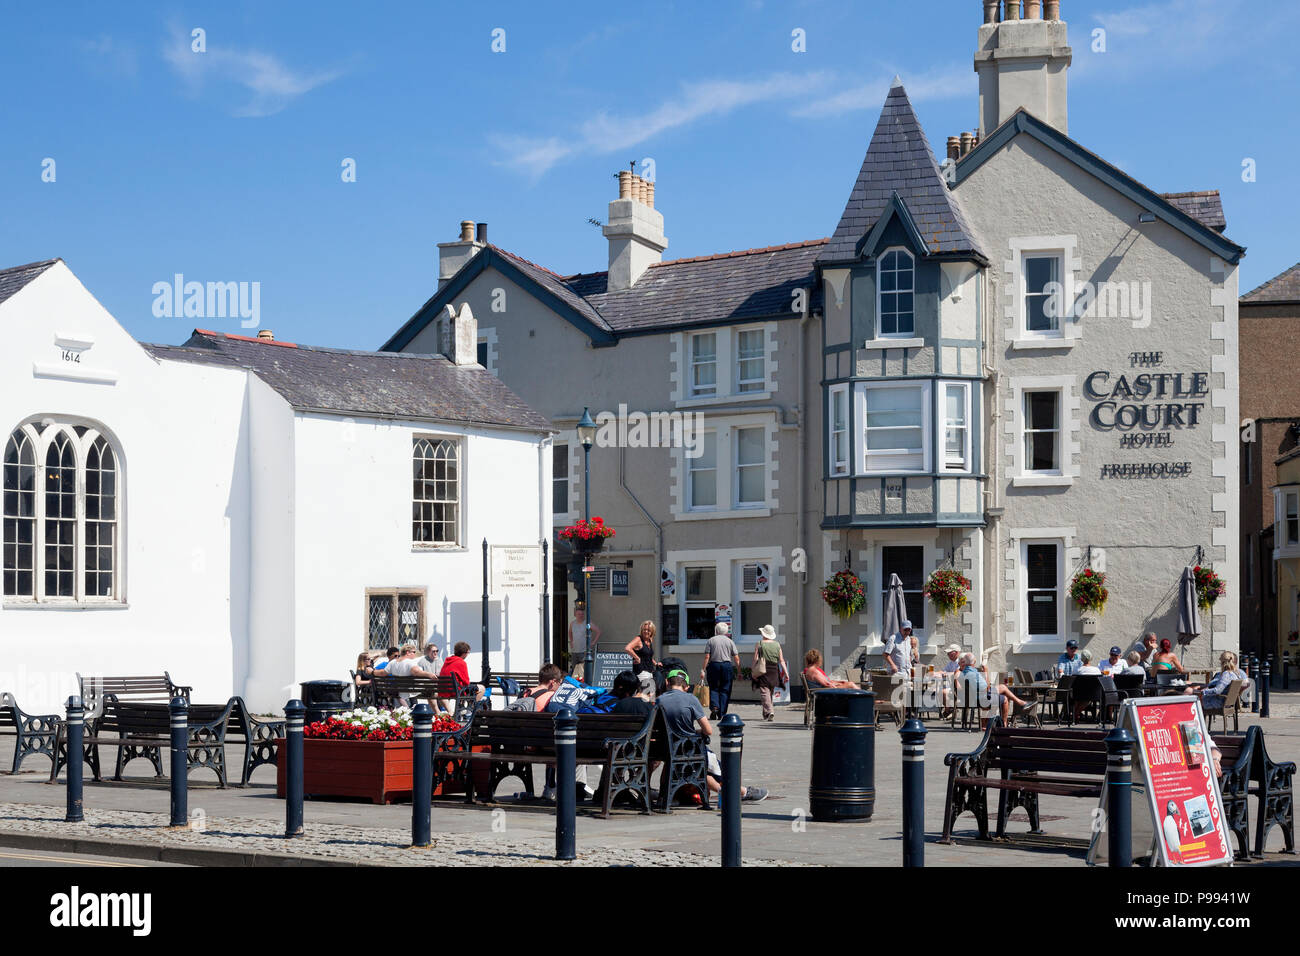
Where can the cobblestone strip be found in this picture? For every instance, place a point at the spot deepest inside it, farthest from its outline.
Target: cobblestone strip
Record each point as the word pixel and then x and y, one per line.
pixel 324 841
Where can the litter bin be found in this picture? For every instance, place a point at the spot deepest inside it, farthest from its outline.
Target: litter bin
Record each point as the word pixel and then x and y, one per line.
pixel 843 778
pixel 322 698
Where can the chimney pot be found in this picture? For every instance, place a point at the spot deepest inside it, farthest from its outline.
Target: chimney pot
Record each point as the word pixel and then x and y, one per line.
pixel 966 143
pixel 467 230
pixel 1052 10
pixel 954 147
pixel 991 11
pixel 1033 9
pixel 624 184
pixel 480 234
pixel 650 194
pixel 266 334
pixel 1012 11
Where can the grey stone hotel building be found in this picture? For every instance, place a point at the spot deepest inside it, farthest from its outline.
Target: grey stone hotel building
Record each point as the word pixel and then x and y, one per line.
pixel 1014 360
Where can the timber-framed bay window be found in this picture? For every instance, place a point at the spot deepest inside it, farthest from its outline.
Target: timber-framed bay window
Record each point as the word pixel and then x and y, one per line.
pixel 894 421
pixel 61 510
pixel 436 492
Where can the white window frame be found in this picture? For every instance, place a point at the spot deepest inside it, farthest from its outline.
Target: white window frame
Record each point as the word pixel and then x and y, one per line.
pixel 81 444
pixel 691 469
pixel 740 596
pixel 686 603
pixel 838 467
pixel 860 437
pixel 762 465
pixel 880 264
pixel 1025 431
pixel 461 484
pixel 748 386
pixel 562 517
pixel 965 464
pixel 692 389
pixel 1023 591
pixel 1058 256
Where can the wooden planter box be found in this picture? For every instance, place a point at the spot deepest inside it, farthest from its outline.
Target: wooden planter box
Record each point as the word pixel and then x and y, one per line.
pixel 378 770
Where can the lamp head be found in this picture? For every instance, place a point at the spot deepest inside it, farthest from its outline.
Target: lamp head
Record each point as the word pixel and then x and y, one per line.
pixel 586 430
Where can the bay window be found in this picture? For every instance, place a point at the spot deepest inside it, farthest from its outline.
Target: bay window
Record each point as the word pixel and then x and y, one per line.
pixel 896 426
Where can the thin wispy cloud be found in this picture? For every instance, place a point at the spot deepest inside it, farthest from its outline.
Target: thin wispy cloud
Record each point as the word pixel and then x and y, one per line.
pixel 607 132
pixel 936 85
pixel 267 85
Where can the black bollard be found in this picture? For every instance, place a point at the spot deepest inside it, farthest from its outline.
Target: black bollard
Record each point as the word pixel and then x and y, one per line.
pixel 422 775
pixel 733 739
pixel 566 769
pixel 294 712
pixel 76 730
pixel 913 734
pixel 1253 673
pixel 1265 675
pixel 1119 782
pixel 180 715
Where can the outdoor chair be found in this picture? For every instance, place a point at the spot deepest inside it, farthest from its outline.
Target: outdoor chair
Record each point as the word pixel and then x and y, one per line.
pixel 1231 703
pixel 882 685
pixel 1060 700
pixel 808 704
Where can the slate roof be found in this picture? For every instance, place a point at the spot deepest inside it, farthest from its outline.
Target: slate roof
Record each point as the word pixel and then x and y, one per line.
pixel 14 278
pixel 702 290
pixel 380 384
pixel 1279 289
pixel 1205 207
pixel 558 286
pixel 899 160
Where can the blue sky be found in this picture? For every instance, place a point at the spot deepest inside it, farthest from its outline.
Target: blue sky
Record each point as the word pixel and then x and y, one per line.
pixel 225 165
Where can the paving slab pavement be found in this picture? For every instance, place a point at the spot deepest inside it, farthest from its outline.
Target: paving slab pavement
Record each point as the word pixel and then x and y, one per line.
pixel 778 830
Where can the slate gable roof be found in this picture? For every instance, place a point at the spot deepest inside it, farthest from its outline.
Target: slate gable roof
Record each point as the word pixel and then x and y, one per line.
pixel 1206 207
pixel 721 289
pixel 376 384
pixel 899 160
pixel 1284 288
pixel 15 278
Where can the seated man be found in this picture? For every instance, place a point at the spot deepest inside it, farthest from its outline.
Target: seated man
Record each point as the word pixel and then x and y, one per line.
pixel 684 715
pixel 816 677
pixel 548 678
pixel 1114 665
pixel 408 663
pixel 456 667
pixel 391 655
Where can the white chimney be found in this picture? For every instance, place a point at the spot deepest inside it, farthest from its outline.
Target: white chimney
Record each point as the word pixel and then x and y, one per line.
pixel 1022 62
pixel 458 335
pixel 635 232
pixel 452 256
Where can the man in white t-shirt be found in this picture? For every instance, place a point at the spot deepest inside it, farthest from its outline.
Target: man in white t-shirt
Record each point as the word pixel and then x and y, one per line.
pixel 408 664
pixel 898 651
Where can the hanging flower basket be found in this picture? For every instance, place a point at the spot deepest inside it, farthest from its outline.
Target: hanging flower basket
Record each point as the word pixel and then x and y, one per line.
pixel 845 594
pixel 947 589
pixel 1088 591
pixel 587 536
pixel 1209 587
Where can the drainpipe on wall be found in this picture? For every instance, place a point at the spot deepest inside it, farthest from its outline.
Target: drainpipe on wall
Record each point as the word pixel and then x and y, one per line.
pixel 544 448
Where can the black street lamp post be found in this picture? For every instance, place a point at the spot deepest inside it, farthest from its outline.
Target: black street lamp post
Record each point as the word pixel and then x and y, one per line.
pixel 587 436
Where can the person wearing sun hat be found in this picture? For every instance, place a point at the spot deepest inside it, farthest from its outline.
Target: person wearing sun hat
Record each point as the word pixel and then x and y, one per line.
pixel 769 649
pixel 953 664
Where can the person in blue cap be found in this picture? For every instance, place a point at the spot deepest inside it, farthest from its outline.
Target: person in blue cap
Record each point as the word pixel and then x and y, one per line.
pixel 1069 663
pixel 1115 664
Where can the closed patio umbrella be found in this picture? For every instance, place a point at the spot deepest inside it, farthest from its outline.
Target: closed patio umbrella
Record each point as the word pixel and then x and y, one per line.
pixel 895 610
pixel 1189 616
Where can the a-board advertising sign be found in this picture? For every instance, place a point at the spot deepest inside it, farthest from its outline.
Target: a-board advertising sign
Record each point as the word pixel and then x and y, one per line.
pixel 1173 759
pixel 607 661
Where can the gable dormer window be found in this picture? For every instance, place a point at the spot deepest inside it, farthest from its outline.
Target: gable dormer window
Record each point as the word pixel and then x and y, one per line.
pixel 895 280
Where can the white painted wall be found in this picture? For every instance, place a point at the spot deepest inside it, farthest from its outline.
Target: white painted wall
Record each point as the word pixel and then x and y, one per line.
pixel 185 505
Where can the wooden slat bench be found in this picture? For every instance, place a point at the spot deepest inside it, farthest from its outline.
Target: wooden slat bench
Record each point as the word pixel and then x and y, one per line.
pixel 511 742
pixel 33 733
pixel 392 691
pixel 157 689
pixel 1068 763
pixel 527 682
pixel 143 729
